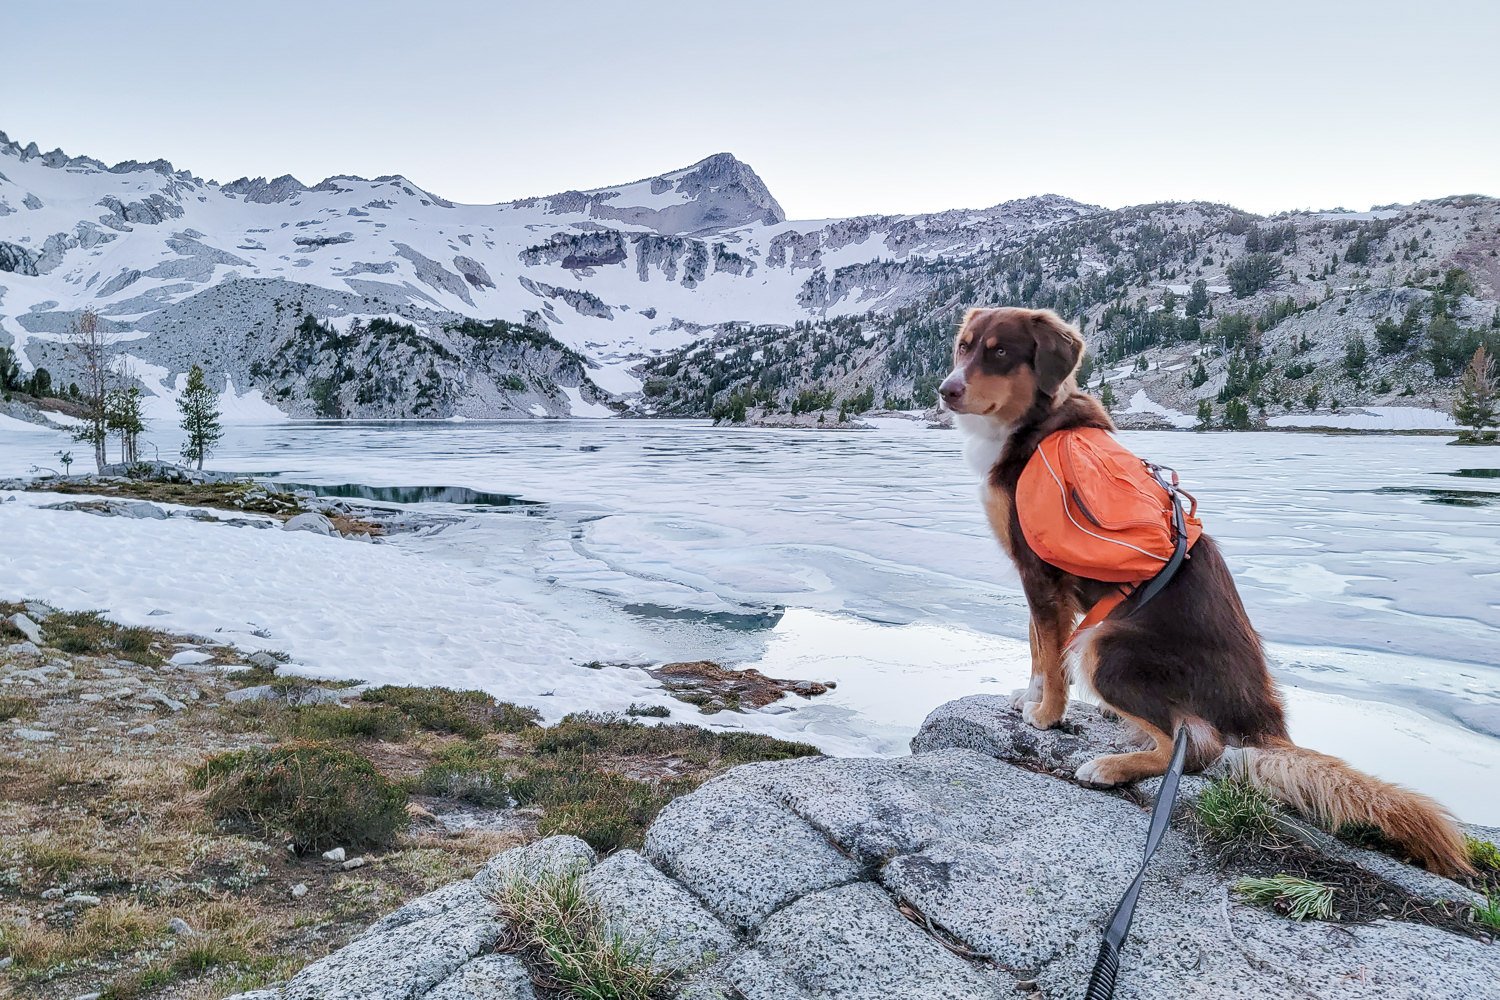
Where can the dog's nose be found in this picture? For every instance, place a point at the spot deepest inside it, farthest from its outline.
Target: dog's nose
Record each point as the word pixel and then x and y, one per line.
pixel 952 389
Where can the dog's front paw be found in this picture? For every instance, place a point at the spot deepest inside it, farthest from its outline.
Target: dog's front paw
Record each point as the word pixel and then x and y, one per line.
pixel 1040 716
pixel 1099 773
pixel 1021 697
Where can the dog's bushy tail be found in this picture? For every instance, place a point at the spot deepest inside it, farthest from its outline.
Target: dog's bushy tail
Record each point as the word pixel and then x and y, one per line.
pixel 1332 793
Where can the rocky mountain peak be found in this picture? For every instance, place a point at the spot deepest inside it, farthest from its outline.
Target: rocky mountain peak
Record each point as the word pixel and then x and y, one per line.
pixel 740 196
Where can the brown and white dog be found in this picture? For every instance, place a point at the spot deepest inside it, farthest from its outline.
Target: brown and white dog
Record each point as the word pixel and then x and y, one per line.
pixel 1189 656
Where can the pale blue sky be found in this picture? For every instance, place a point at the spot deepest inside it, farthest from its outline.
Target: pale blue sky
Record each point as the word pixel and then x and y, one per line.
pixel 843 108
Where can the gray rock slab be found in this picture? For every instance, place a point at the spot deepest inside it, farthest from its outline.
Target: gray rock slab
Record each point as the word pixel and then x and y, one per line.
pixel 741 852
pixel 850 943
pixel 453 896
pixel 642 905
pixel 30 629
pixel 877 809
pixel 552 856
pixel 743 976
pixel 400 962
pixel 488 977
pixel 310 521
pixel 991 725
pixel 1024 901
pixel 291 695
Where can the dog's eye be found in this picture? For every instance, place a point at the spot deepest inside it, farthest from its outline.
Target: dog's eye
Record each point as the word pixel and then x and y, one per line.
pixel 998 351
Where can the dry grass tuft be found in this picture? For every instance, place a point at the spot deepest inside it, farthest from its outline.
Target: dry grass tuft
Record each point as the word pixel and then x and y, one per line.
pixel 571 948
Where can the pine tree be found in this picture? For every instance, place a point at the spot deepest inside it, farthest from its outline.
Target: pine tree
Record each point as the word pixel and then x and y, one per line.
pixel 1205 416
pixel 200 417
pixel 1197 299
pixel 122 414
pixel 1478 403
pixel 1356 356
pixel 1107 396
pixel 10 369
pixel 1237 415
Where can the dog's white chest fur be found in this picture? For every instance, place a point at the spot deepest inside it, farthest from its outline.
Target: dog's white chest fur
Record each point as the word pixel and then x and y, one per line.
pixel 984 440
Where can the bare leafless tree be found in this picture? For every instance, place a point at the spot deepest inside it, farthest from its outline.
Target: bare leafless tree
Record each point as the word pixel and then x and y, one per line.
pixel 90 349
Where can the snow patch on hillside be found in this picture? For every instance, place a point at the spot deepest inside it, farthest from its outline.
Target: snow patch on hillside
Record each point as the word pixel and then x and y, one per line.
pixel 1142 403
pixel 1372 418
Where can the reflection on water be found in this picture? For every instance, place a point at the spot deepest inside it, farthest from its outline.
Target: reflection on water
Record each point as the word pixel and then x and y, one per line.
pixel 1476 473
pixel 413 494
pixel 722 619
pixel 1452 498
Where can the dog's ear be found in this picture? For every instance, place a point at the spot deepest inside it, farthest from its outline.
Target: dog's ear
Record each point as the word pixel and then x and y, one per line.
pixel 1058 349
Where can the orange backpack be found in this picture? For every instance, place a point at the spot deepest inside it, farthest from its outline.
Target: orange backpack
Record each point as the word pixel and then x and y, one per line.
pixel 1091 508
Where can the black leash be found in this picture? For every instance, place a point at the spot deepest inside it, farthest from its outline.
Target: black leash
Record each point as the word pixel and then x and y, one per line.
pixel 1107 965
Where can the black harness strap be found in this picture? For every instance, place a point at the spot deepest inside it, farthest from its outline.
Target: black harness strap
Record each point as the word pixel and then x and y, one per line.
pixel 1155 585
pixel 1107 965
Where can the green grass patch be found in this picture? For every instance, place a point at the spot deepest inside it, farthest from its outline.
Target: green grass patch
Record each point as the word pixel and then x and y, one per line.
pixel 576 772
pixel 90 633
pixel 16 707
pixel 568 941
pixel 1488 915
pixel 1483 855
pixel 1296 898
pixel 189 962
pixel 465 713
pixel 1232 810
pixel 607 810
pixel 317 795
pixel 340 722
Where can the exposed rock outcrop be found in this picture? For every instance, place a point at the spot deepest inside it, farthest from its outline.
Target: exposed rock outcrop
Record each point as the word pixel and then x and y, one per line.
pixel 966 871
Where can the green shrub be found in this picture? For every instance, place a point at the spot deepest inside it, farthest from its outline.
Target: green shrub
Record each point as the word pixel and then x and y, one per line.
pixel 590 732
pixel 578 794
pixel 464 713
pixel 317 795
pixel 14 707
pixel 607 810
pixel 90 633
pixel 338 722
pixel 511 718
pixel 649 711
pixel 471 771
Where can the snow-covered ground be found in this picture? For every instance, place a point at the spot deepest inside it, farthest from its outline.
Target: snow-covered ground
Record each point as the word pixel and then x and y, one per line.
pixel 855 556
pixel 1142 403
pixel 1372 418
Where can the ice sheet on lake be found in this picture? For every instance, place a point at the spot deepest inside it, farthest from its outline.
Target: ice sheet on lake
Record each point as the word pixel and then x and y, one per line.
pixel 855 556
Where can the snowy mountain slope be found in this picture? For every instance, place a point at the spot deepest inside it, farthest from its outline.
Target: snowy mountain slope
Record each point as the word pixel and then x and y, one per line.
pixel 1296 319
pixel 186 270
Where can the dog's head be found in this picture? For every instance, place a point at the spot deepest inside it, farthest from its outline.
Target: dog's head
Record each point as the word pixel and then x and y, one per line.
pixel 1005 359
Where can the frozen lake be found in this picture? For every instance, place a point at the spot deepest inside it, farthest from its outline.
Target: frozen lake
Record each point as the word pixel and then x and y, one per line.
pixel 1370 564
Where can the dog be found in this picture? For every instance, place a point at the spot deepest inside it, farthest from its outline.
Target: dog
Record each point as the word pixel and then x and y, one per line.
pixel 1189 657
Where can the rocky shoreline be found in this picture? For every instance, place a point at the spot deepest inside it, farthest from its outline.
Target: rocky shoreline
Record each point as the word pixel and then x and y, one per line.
pixel 968 870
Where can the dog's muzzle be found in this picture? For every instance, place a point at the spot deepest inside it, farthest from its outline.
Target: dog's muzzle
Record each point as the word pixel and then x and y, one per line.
pixel 952 391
